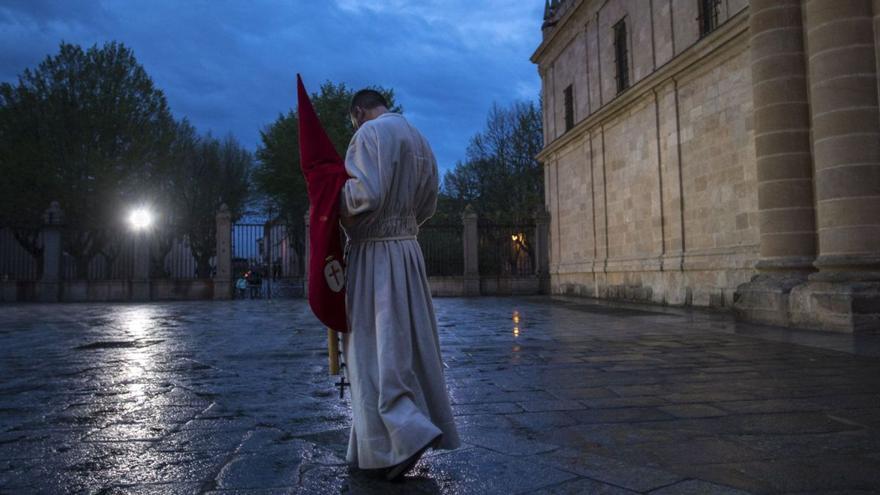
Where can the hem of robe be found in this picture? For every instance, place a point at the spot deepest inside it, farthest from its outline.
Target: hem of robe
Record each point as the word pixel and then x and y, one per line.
pixel 450 440
pixel 411 436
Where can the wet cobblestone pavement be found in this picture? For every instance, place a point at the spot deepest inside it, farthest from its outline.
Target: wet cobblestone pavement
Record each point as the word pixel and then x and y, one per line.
pixel 553 396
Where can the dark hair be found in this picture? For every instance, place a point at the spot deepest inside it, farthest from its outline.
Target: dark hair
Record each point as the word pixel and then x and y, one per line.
pixel 367 99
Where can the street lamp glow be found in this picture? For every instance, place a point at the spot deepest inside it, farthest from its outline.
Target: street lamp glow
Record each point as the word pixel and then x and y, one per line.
pixel 140 219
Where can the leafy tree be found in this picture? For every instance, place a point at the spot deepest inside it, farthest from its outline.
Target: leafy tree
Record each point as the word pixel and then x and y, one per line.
pixel 84 127
pixel 207 173
pixel 278 176
pixel 500 176
pixel 160 189
pixel 165 187
pixel 501 179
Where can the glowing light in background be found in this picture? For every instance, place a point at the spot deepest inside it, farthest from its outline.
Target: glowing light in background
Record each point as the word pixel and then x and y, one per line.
pixel 140 219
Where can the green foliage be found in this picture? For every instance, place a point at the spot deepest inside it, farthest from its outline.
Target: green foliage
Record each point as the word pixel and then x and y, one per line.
pixel 80 129
pixel 80 125
pixel 278 175
pixel 203 174
pixel 500 176
pixel 89 129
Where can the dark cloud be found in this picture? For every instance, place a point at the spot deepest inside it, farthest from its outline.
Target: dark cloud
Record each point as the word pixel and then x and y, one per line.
pixel 230 66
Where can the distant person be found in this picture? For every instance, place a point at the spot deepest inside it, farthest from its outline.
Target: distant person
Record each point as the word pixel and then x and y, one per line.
pixel 400 405
pixel 255 282
pixel 241 285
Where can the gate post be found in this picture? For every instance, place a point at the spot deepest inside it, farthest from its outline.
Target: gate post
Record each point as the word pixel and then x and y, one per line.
pixel 50 282
pixel 223 278
pixel 470 238
pixel 542 249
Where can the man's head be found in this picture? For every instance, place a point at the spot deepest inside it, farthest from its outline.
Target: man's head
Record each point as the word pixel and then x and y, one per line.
pixel 366 105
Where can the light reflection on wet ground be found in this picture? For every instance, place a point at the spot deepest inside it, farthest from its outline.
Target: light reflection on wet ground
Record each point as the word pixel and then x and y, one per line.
pixel 558 396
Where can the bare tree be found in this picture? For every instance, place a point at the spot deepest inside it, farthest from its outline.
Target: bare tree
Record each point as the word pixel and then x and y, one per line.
pixel 500 175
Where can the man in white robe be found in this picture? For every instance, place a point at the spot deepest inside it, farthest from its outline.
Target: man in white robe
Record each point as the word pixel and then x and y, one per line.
pixel 400 405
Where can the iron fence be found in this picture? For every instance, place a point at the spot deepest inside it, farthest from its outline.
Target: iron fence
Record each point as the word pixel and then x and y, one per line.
pixel 506 250
pixel 21 254
pixel 114 259
pixel 442 249
pixel 21 258
pixel 268 248
pixel 179 263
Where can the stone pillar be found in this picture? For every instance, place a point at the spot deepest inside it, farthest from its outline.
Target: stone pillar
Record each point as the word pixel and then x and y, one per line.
pixel 845 294
pixel 471 245
pixel 784 161
pixel 223 278
pixel 542 249
pixel 50 283
pixel 270 255
pixel 140 280
pixel 307 248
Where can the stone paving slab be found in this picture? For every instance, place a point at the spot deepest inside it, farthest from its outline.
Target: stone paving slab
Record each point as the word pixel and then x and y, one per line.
pixel 575 397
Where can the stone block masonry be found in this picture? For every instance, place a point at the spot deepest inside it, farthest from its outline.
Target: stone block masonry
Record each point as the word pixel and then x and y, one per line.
pixel 740 169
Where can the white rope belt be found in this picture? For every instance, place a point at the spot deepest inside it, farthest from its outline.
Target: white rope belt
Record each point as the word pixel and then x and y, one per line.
pixel 383 239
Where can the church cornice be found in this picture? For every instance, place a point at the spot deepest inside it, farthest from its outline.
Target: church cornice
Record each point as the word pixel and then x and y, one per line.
pixel 731 36
pixel 553 27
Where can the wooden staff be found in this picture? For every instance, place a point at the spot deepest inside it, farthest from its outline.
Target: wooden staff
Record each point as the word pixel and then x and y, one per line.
pixel 333 351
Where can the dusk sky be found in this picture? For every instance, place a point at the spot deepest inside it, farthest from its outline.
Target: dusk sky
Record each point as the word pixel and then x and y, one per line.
pixel 230 66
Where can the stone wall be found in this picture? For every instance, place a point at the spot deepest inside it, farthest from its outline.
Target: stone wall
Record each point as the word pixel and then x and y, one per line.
pixel 581 53
pixel 108 291
pixel 740 169
pixel 488 286
pixel 652 195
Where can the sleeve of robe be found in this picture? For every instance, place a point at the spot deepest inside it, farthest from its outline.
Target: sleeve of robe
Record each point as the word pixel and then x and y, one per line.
pixel 426 197
pixel 363 192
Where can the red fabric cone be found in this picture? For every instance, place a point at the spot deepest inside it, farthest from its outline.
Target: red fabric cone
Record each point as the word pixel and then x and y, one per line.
pixel 325 175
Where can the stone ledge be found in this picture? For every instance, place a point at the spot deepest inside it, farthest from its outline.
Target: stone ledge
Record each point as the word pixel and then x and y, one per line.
pixel 766 298
pixel 799 300
pixel 738 258
pixel 850 307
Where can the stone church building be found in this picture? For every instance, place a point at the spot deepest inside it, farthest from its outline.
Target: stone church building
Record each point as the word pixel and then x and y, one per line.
pixel 716 153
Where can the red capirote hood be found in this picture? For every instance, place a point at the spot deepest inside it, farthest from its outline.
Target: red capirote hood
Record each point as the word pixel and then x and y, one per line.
pixel 315 147
pixel 325 176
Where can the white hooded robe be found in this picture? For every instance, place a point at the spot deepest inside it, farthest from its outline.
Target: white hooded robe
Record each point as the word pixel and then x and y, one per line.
pixel 398 391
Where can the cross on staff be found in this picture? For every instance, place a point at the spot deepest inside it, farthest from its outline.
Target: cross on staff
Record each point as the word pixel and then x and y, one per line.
pixel 337 273
pixel 337 365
